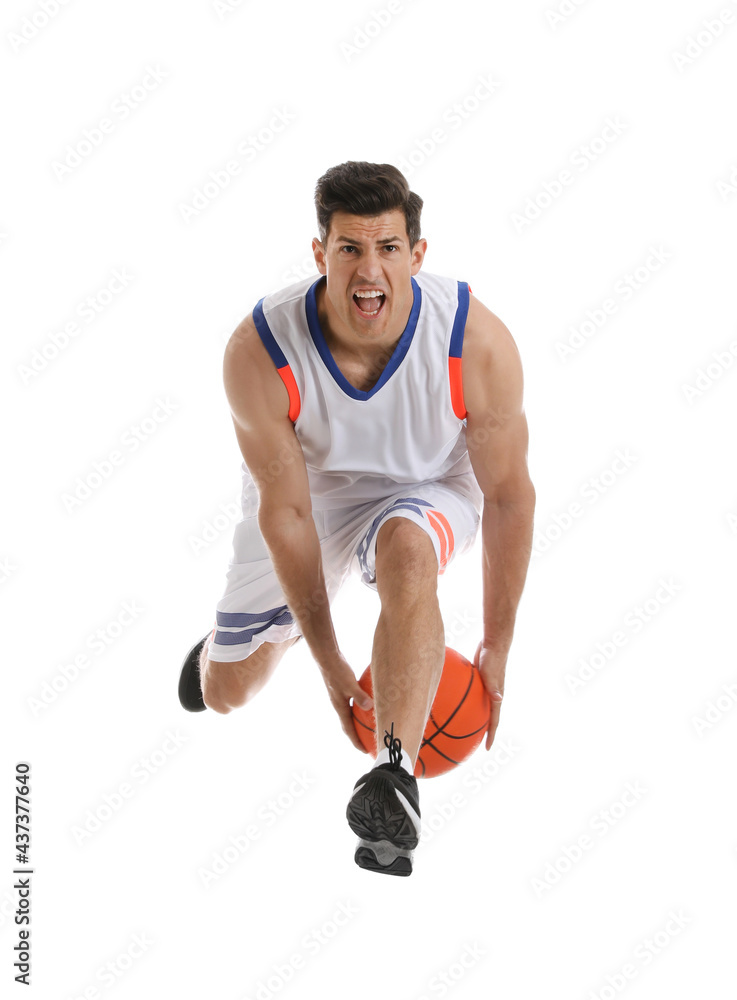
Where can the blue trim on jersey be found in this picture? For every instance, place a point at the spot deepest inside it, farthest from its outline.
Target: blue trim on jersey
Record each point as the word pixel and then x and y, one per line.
pixel 267 337
pixel 404 503
pixel 318 338
pixel 459 323
pixel 276 616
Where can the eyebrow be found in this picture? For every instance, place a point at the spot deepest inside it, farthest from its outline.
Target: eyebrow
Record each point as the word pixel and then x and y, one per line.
pixel 389 239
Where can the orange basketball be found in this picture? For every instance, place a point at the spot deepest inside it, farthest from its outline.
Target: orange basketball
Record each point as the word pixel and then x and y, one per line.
pixel 458 718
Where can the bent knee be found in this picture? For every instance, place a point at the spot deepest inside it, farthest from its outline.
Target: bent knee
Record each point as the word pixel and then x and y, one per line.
pixel 224 686
pixel 404 543
pixel 216 706
pixel 405 552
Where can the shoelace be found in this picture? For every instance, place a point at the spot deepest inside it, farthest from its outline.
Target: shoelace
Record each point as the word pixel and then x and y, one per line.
pixel 394 745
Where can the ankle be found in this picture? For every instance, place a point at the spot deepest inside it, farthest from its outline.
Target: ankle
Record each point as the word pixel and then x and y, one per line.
pixel 406 761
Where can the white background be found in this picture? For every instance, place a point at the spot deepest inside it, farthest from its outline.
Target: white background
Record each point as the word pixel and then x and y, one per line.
pixel 494 904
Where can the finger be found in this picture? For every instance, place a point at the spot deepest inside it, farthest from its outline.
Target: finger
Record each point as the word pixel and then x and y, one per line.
pixel 349 728
pixel 491 733
pixel 493 724
pixel 361 698
pixel 496 707
pixel 341 703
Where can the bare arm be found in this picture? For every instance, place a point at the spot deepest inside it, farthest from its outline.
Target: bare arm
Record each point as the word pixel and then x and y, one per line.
pixel 259 405
pixel 497 445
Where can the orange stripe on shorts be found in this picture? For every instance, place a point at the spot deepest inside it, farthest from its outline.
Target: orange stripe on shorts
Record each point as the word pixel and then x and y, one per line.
pixel 445 535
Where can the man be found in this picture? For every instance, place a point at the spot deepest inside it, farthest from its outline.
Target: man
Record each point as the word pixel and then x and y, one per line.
pixel 379 412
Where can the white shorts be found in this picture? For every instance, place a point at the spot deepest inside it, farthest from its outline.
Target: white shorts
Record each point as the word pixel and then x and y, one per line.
pixel 253 608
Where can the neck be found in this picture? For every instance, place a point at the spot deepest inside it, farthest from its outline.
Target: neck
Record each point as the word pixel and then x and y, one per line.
pixel 341 339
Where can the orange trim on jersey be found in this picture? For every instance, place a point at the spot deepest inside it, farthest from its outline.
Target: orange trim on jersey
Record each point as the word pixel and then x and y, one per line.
pixel 294 401
pixel 470 290
pixel 445 536
pixel 455 374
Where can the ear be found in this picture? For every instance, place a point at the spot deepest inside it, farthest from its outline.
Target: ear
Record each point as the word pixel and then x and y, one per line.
pixel 319 251
pixel 418 255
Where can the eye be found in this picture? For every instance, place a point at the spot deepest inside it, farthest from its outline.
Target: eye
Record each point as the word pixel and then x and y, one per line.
pixel 391 246
pixel 347 247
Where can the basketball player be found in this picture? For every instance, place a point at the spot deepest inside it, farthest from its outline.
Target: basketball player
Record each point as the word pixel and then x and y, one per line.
pixel 379 412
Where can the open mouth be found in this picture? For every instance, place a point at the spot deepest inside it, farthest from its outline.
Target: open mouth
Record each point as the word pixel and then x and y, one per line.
pixel 369 304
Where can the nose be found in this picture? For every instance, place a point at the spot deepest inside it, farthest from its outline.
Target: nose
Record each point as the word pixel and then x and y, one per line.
pixel 369 267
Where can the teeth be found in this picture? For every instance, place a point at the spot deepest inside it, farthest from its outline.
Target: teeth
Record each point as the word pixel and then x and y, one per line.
pixel 368 295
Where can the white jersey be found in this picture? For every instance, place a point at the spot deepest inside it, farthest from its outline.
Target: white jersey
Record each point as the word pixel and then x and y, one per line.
pixel 408 429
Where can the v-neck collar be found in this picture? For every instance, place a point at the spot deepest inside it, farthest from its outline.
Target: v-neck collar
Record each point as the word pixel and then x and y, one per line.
pixel 318 339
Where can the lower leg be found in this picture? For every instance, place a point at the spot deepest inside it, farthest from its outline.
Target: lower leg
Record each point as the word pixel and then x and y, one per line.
pixel 226 686
pixel 409 642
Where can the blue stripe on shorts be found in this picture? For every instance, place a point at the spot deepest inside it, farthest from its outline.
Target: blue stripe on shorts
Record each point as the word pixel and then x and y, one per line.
pixel 263 620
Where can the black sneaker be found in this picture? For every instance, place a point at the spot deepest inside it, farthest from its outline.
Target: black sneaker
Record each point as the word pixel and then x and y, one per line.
pixel 384 810
pixel 190 691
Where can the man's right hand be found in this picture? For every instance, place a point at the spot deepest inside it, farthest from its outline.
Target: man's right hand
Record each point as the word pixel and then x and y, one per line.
pixel 342 685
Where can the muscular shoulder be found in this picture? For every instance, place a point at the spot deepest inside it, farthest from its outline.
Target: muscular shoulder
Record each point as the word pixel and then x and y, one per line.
pixel 491 361
pixel 485 337
pixel 243 341
pixel 253 387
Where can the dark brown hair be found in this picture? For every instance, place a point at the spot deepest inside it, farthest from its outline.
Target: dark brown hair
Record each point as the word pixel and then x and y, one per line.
pixel 362 188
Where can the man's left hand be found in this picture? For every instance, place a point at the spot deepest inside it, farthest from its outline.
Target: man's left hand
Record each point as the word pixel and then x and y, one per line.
pixel 492 665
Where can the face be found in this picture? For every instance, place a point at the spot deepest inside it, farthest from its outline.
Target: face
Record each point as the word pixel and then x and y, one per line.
pixel 369 264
